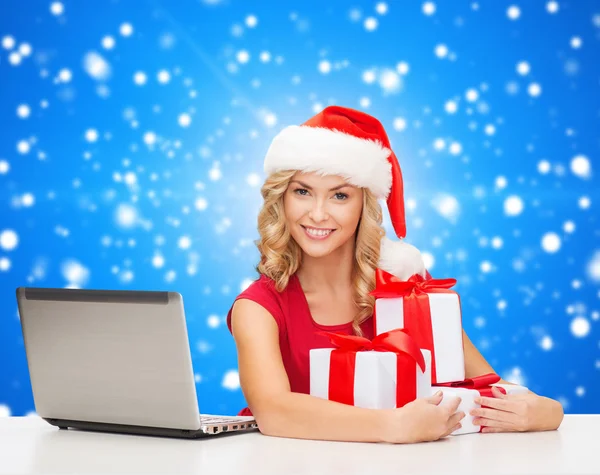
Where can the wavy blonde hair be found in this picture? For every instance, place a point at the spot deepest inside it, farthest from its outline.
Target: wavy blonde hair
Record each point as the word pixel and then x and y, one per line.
pixel 281 256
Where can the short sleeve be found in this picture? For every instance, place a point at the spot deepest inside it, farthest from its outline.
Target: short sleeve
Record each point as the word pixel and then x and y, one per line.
pixel 263 292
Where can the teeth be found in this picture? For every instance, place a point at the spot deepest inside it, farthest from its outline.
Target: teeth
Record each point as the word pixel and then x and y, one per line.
pixel 315 232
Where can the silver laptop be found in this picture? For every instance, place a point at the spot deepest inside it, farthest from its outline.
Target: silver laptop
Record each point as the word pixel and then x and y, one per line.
pixel 115 361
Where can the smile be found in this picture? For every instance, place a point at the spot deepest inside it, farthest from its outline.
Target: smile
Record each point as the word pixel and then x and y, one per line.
pixel 319 234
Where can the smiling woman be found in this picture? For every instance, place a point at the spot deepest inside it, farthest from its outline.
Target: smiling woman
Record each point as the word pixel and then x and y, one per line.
pixel 320 242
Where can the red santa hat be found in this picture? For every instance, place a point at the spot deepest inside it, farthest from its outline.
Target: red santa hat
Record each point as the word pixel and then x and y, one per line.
pixel 354 145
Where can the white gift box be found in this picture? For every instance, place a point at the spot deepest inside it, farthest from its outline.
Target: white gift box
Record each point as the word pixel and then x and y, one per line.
pixel 375 377
pixel 446 325
pixel 467 403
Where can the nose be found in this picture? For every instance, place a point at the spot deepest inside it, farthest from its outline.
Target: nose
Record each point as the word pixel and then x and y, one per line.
pixel 318 212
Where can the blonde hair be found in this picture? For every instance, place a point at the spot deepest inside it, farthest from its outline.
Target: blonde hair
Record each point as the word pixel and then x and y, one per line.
pixel 281 256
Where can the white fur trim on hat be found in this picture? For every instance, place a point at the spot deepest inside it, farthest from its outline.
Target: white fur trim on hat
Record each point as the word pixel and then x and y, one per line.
pixel 400 259
pixel 362 162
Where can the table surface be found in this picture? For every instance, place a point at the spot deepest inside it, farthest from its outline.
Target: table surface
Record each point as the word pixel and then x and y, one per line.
pixel 30 445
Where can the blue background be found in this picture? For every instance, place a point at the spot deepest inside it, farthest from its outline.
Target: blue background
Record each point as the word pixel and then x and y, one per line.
pixel 113 210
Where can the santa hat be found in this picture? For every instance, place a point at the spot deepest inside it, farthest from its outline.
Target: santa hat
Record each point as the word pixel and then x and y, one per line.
pixel 354 145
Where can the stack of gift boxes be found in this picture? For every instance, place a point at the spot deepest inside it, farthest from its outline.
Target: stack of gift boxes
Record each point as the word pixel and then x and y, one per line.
pixel 417 350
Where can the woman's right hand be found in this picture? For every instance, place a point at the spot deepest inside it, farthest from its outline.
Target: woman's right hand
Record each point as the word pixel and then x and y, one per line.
pixel 423 420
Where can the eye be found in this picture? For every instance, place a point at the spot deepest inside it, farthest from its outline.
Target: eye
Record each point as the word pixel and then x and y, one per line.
pixel 299 191
pixel 343 196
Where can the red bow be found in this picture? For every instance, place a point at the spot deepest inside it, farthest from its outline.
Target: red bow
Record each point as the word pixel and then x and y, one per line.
pixel 390 286
pixel 396 341
pixel 343 363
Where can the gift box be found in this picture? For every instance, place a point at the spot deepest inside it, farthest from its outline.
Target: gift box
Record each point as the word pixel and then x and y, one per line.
pixel 386 372
pixel 431 313
pixel 468 390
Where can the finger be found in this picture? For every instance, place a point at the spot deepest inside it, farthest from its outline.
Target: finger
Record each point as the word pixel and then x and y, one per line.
pixel 455 418
pixel 452 404
pixel 497 393
pixel 435 398
pixel 501 404
pixel 495 414
pixel 482 421
pixel 452 429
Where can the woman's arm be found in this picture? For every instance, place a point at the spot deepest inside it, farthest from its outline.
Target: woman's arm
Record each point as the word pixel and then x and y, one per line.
pixel 265 385
pixel 475 363
pixel 280 412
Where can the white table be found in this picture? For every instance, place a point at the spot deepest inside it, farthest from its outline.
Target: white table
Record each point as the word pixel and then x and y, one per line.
pixel 30 445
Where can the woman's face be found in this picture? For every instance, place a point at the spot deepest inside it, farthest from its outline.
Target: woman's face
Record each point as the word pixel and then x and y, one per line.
pixel 322 212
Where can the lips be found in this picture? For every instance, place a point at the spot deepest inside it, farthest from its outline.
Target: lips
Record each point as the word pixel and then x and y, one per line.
pixel 320 236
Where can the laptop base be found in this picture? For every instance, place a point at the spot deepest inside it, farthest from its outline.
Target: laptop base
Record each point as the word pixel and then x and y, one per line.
pixel 132 429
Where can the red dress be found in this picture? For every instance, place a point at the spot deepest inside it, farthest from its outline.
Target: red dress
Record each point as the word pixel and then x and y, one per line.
pixel 297 329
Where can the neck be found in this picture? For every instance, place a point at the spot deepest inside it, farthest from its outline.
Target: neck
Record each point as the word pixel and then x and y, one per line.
pixel 331 273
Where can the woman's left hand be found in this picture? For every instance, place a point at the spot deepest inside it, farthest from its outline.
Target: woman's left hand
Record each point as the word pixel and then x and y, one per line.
pixel 517 412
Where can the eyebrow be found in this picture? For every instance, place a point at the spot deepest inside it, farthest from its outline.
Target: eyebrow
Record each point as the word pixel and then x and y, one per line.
pixel 308 187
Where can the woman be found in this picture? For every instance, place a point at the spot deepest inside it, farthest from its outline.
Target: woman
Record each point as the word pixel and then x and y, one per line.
pixel 320 242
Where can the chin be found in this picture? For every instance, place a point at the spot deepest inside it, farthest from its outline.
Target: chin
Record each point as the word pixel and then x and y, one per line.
pixel 310 251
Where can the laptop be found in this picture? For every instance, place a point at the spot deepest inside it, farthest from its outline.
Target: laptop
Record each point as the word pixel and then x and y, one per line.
pixel 114 361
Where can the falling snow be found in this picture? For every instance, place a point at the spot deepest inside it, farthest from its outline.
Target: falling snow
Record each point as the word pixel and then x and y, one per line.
pixel 513 206
pixel 133 159
pixel 231 380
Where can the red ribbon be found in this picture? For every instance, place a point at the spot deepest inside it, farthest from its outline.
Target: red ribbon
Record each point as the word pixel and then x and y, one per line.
pixel 343 363
pixel 478 382
pixel 417 313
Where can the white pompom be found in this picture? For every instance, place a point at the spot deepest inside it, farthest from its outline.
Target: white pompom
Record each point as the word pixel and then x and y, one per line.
pixel 400 259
